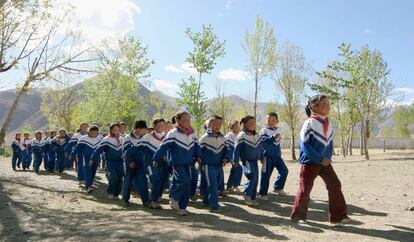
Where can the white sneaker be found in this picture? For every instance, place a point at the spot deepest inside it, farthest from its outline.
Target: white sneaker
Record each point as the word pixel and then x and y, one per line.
pixel 182 212
pixel 279 192
pixel 174 204
pixel 248 200
pixel 89 190
pixel 237 189
pixel 264 198
pixel 346 220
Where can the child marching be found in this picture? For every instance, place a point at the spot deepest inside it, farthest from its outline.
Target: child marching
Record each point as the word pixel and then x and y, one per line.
pixel 183 151
pixel 37 146
pixel 236 171
pixel 248 149
pixel 27 157
pixel 79 163
pixel 83 151
pixel 132 141
pixel 315 154
pixel 112 146
pixel 213 156
pixel 59 145
pixel 18 149
pixel 270 136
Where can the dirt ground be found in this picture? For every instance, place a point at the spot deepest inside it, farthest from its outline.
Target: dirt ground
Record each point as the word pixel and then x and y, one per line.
pixel 49 207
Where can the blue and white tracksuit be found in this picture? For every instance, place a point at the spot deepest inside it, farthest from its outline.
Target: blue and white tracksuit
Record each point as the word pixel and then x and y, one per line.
pixel 51 150
pixel 157 175
pixel 112 146
pixel 59 145
pixel 213 152
pixel 83 150
pixel 18 150
pixel 271 144
pixel 248 148
pixel 128 142
pixel 27 161
pixel 37 147
pixel 45 153
pixel 79 157
pixel 236 171
pixel 182 149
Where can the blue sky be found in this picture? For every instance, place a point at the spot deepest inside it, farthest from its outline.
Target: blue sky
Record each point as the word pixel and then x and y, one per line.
pixel 317 26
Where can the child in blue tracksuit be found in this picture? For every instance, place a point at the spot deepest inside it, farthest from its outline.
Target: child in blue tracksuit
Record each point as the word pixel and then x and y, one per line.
pixel 83 150
pixel 51 150
pixel 112 146
pixel 213 155
pixel 18 150
pixel 159 173
pixel 59 145
pixel 37 147
pixel 132 140
pixel 236 171
pixel 27 157
pixel 248 148
pixel 83 130
pixel 182 148
pixel 270 136
pixel 45 148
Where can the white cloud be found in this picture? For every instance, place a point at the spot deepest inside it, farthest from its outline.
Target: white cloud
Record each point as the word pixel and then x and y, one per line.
pixel 101 19
pixel 228 4
pixel 405 90
pixel 164 85
pixel 185 67
pixel 367 31
pixel 233 74
pixel 172 68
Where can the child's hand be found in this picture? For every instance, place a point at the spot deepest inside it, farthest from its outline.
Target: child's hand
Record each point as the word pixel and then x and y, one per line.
pixel 155 164
pixel 90 163
pixel 325 162
pixel 164 158
pixel 132 165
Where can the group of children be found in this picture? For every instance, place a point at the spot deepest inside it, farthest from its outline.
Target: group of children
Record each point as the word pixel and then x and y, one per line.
pixel 163 158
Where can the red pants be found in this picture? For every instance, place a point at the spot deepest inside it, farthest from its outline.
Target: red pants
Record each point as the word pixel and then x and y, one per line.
pixel 308 173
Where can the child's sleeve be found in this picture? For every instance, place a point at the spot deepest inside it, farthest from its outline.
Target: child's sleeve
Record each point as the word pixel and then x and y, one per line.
pixel 97 153
pixel 239 144
pixel 166 144
pixel 15 147
pixel 305 134
pixel 197 149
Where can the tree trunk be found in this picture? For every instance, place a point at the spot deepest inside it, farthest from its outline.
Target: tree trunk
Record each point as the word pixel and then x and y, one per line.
pixel 350 137
pixel 256 82
pixel 12 110
pixel 361 139
pixel 366 137
pixel 292 144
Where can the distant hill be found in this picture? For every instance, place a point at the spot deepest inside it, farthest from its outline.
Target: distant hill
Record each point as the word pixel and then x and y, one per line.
pixel 28 110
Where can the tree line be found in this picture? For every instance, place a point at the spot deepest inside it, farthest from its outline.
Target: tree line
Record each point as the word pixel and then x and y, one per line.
pixel 33 42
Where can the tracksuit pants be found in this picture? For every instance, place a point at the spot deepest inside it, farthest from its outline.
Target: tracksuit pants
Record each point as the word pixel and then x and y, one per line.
pixel 267 168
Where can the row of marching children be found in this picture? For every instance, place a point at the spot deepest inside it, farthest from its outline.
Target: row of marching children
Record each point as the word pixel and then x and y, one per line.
pixel 153 160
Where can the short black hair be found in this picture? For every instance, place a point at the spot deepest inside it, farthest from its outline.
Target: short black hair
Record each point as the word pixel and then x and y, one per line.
pixel 122 123
pixel 157 121
pixel 140 124
pixel 246 119
pixel 214 117
pixel 94 128
pixel 273 114
pixel 314 101
pixel 112 126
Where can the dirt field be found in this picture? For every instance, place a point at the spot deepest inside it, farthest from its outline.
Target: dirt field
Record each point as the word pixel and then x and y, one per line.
pixel 52 208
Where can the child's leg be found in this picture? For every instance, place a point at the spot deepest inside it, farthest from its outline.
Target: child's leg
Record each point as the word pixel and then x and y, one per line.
pixel 119 169
pixel 156 186
pixel 140 182
pixel 211 174
pixel 112 178
pixel 45 160
pixel 283 173
pixel 14 160
pixel 87 171
pixel 37 161
pixel 308 173
pixel 255 179
pixel 94 168
pixel 29 159
pixel 193 180
pixel 337 205
pixel 250 171
pixel 203 186
pixel 22 160
pixel 129 173
pixel 266 173
pixel 79 172
pixel 19 156
pixel 52 160
pixel 220 185
pixel 181 190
